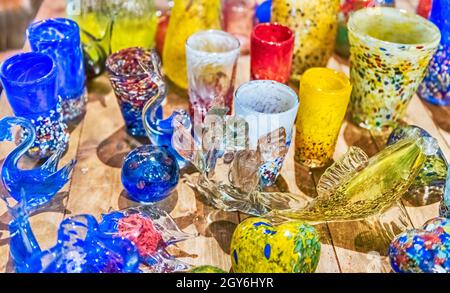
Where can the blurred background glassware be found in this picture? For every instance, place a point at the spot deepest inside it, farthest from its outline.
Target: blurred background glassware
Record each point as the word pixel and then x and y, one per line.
pixel 150 174
pixel 324 97
pixel 211 67
pixel 30 83
pixel 390 52
pixel 238 17
pixel 435 88
pixel 134 25
pixel 347 7
pixel 270 109
pixel 186 18
pixel 133 84
pixel 424 8
pixel 314 24
pixel 60 39
pixel 263 11
pixel 94 18
pixel 272 46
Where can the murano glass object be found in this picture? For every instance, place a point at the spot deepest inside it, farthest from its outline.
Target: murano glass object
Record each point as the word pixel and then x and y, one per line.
pixel 30 83
pixel 348 7
pixel 187 17
pixel 259 246
pixel 150 173
pixel 425 250
pixel 106 27
pixel 135 81
pixel 129 241
pixel 435 88
pixel 60 39
pixel 324 97
pixel 238 17
pixel 272 46
pixel 390 52
pixel 315 26
pixel 40 184
pixel 211 68
pixel 430 182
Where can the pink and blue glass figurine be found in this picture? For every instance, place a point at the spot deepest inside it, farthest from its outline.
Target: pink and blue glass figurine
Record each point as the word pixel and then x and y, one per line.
pixel 128 241
pixel 150 173
pixel 435 88
pixel 30 83
pixel 60 39
pixel 39 185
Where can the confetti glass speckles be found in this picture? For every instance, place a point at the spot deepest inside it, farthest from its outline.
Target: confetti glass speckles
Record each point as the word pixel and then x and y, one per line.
pixel 315 25
pixel 257 246
pixel 133 86
pixel 436 86
pixel 324 97
pixel 425 250
pixel 60 38
pixel 390 51
pixel 30 83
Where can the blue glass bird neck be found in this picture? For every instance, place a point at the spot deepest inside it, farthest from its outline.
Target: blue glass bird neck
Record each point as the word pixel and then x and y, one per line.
pixel 440 15
pixel 6 124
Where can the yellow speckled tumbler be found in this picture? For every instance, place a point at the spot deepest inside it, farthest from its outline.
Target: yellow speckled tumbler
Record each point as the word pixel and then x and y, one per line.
pixel 324 97
pixel 315 25
pixel 187 18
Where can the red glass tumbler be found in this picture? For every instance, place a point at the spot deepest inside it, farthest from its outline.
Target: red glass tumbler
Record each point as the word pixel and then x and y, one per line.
pixel 272 46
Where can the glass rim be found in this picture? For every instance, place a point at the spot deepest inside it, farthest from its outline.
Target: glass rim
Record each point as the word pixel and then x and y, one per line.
pixel 328 72
pixel 75 29
pixel 111 59
pixel 235 49
pixel 273 24
pixel 251 83
pixel 354 28
pixel 19 57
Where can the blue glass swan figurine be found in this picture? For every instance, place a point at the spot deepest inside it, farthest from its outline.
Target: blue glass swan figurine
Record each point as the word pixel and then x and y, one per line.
pixel 80 247
pixel 40 184
pixel 160 131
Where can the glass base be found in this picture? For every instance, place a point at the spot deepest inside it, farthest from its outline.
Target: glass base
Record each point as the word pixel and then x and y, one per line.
pixel 311 163
pixel 74 108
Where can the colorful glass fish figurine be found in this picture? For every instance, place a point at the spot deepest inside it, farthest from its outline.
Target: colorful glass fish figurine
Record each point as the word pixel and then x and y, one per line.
pixel 425 250
pixel 258 246
pixel 356 187
pixel 431 179
pixel 151 230
pixel 80 247
pixel 40 184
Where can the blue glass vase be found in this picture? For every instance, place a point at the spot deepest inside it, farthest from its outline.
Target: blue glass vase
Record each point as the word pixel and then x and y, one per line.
pixel 30 83
pixel 150 173
pixel 60 38
pixel 435 88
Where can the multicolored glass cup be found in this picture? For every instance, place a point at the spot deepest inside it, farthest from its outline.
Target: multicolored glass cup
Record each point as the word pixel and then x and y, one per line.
pixel 133 85
pixel 211 65
pixel 30 83
pixel 390 51
pixel 435 88
pixel 314 24
pixel 272 46
pixel 270 109
pixel 60 38
pixel 324 97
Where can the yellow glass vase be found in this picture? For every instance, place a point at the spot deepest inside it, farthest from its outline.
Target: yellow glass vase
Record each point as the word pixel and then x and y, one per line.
pixel 315 25
pixel 324 97
pixel 187 17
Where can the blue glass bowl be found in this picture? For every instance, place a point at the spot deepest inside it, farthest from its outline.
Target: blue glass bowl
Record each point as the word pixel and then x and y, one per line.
pixel 150 174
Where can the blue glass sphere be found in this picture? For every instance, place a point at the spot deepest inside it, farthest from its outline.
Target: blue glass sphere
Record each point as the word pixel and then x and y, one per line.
pixel 150 173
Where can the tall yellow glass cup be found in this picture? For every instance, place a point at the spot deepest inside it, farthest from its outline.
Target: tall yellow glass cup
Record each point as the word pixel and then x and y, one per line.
pixel 324 97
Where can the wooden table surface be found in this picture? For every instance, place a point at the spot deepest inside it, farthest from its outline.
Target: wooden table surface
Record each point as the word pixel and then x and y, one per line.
pixel 100 142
